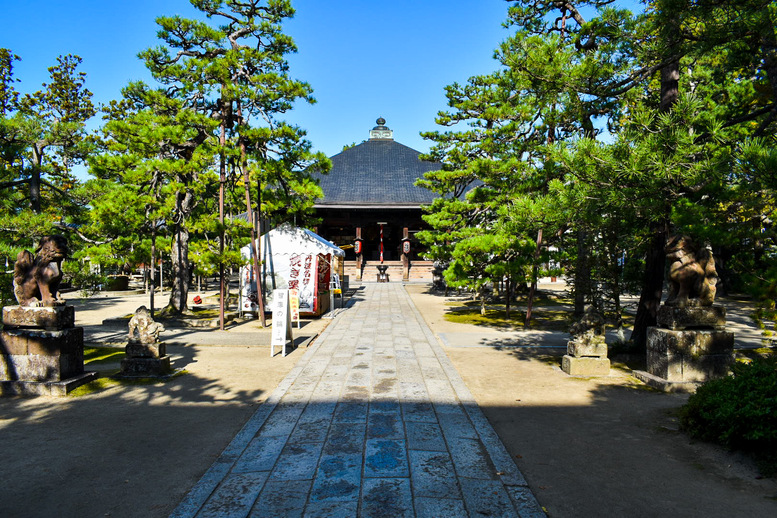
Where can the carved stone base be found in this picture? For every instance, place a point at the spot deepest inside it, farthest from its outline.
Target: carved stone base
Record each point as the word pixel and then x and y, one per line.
pixel 689 355
pixel 691 317
pixel 41 356
pixel 145 367
pixel 580 349
pixel 41 353
pixel 585 366
pixel 45 388
pixel 139 350
pixel 664 385
pixel 49 318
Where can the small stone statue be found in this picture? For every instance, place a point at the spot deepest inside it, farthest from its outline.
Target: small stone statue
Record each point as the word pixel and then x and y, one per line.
pixel 145 356
pixel 589 329
pixel 36 279
pixel 692 275
pixel 587 350
pixel 143 329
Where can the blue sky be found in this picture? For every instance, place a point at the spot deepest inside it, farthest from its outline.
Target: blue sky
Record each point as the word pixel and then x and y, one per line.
pixel 363 58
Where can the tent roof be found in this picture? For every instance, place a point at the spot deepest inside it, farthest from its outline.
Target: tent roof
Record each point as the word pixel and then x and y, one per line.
pixel 287 239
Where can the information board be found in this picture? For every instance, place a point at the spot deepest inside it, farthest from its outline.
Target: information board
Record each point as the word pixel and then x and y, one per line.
pixel 281 322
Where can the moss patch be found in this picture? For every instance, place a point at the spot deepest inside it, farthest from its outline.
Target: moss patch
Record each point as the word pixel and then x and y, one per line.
pixel 542 318
pixel 748 355
pixel 101 355
pixel 93 387
pixel 113 380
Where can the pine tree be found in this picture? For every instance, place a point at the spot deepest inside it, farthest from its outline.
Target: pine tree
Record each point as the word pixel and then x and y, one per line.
pixel 212 130
pixel 42 135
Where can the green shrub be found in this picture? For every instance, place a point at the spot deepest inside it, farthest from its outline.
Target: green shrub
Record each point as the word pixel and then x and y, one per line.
pixel 739 412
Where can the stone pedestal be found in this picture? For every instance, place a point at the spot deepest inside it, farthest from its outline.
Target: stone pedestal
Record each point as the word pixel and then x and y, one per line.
pixel 691 317
pixel 145 360
pixel 586 358
pixel 146 367
pixel 41 352
pixel 689 346
pixel 689 355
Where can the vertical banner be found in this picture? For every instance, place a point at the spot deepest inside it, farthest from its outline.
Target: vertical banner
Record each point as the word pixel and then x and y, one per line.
pixel 281 322
pixel 381 244
pixel 294 305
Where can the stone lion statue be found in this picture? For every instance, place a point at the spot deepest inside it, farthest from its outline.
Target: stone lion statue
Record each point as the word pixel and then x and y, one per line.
pixel 590 328
pixel 692 274
pixel 143 329
pixel 36 279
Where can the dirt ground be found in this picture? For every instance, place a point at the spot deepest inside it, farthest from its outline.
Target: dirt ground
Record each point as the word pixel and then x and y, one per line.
pixel 588 447
pixel 593 447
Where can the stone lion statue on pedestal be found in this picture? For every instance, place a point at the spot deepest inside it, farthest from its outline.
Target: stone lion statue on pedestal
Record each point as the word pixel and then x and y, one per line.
pixel 36 278
pixel 692 274
pixel 143 329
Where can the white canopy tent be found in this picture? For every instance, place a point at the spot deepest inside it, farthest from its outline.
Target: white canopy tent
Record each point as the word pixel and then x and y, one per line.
pixel 293 258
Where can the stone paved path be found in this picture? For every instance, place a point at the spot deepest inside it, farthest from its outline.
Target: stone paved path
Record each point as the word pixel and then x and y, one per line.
pixel 373 421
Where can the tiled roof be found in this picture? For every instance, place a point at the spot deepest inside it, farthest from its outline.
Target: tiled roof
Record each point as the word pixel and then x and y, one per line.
pixel 377 172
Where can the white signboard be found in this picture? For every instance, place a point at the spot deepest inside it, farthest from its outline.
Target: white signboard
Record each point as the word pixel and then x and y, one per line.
pixel 281 322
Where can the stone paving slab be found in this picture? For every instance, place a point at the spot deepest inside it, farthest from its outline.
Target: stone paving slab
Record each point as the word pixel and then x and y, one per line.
pixel 373 421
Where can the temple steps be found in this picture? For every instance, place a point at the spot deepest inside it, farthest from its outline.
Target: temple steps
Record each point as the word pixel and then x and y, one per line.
pixel 420 271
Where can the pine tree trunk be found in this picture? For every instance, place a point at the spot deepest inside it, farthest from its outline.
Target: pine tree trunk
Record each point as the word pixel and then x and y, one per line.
pixel 582 274
pixel 37 160
pixel 653 281
pixel 179 256
pixel 180 266
pixel 534 275
pixel 652 285
pixel 508 294
pixel 769 49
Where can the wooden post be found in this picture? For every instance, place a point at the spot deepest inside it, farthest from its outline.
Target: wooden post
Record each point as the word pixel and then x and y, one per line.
pixel 252 220
pixel 359 248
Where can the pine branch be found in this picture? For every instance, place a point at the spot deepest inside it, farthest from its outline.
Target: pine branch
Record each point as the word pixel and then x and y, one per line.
pixel 14 183
pixel 67 228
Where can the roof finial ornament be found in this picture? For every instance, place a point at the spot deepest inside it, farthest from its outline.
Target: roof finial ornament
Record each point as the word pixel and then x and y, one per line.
pixel 381 131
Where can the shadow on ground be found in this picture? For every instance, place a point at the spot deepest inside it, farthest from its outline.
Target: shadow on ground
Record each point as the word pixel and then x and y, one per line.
pixel 134 449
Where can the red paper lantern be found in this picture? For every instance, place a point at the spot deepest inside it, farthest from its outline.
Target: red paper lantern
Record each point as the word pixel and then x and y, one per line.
pixel 357 247
pixel 406 247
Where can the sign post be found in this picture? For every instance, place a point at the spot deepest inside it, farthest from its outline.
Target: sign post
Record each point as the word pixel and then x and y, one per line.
pixel 281 322
pixel 294 306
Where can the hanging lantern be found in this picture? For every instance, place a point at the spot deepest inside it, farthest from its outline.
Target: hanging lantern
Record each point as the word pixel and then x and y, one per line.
pixel 357 247
pixel 406 247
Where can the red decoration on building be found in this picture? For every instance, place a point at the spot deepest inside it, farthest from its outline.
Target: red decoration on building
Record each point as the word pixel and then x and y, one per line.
pixel 381 244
